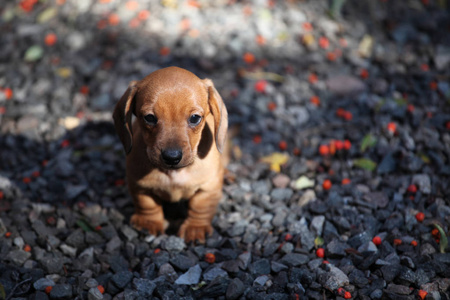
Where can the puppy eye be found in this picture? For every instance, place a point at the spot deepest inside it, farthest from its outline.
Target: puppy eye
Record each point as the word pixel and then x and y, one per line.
pixel 194 120
pixel 151 119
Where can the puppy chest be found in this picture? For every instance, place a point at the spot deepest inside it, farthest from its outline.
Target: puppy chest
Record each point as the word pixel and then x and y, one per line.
pixel 172 188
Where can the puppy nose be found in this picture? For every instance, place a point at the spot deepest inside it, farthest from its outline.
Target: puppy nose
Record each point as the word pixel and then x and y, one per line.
pixel 172 156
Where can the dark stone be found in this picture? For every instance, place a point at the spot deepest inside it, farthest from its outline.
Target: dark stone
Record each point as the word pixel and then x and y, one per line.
pixel 235 289
pixel 217 287
pixel 232 266
pixel 294 259
pixel 302 275
pixel 61 291
pixel 144 287
pixel 122 279
pixel 182 262
pixel 390 272
pixel 260 267
pixel 336 249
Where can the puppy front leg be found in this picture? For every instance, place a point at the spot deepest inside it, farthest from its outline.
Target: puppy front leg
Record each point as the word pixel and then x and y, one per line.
pixel 202 208
pixel 148 215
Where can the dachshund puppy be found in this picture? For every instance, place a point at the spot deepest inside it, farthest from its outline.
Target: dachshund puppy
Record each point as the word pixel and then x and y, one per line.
pixel 173 148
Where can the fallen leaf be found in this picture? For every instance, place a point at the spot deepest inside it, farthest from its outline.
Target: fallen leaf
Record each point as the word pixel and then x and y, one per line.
pixel 365 163
pixel 443 243
pixel 34 53
pixel 368 141
pixel 318 241
pixel 276 160
pixel 47 15
pixel 365 46
pixel 64 72
pixel 84 225
pixel 303 182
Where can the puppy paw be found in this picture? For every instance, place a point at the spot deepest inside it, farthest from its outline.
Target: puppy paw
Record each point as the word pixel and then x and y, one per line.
pixel 194 232
pixel 140 221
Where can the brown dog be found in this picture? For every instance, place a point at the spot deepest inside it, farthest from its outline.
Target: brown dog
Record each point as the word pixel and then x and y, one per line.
pixel 173 148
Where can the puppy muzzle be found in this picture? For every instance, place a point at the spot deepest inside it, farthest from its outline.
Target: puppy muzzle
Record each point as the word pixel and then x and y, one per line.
pixel 171 157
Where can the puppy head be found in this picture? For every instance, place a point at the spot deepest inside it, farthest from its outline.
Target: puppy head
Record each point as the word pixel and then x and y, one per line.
pixel 171 106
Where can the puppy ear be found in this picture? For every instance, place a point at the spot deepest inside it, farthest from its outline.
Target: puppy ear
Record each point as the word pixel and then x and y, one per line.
pixel 219 111
pixel 122 116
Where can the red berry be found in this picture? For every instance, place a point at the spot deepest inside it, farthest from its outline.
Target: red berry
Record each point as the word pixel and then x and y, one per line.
pixel 339 145
pixel 157 250
pixel 249 58
pixel 26 180
pixel 391 127
pixel 27 248
pixel 347 145
pixel 326 184
pixel 414 243
pixel 257 139
pixel 324 150
pixel 8 234
pixel 260 86
pixel 210 258
pixel 347 295
pixel 288 237
pixel 348 116
pixel 101 289
pixel 346 181
pixel 271 106
pixel 340 112
pixel 435 232
pixel 422 294
pixel 282 145
pixel 312 78
pixel 8 93
pixel 410 108
pixel 420 216
pixel 320 252
pixel 376 240
pixel 315 100
pixel 50 39
pixel 364 74
pixel 397 242
pixel 324 43
pixel 412 189
pixel 48 289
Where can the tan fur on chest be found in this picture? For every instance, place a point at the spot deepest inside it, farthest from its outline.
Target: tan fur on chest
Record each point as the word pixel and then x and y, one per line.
pixel 172 186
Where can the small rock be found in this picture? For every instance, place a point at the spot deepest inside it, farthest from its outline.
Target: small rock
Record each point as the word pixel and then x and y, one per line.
pixel 192 276
pixel 174 244
pixel 94 294
pixel 294 259
pixel 317 224
pixel 345 85
pixel 423 182
pixel 129 232
pixel 398 289
pixel 144 287
pixel 211 274
pixel 277 267
pixel 281 181
pixel 333 279
pixel 18 256
pixel 168 272
pixel 42 283
pixel 260 267
pixel 122 279
pixel 235 289
pixel 62 291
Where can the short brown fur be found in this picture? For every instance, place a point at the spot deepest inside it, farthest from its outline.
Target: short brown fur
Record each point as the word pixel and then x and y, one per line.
pixel 172 95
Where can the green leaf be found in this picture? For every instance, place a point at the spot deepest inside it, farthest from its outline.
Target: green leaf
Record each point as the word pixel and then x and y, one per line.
pixel 84 225
pixel 2 292
pixel 318 241
pixel 424 157
pixel 198 286
pixel 401 101
pixel 365 163
pixel 443 243
pixel 34 53
pixel 368 141
pixel 47 15
pixel 303 183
